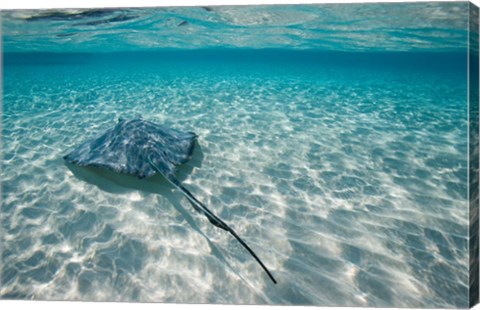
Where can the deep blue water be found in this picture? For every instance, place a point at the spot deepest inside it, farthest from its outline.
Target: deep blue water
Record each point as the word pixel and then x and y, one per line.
pixel 341 160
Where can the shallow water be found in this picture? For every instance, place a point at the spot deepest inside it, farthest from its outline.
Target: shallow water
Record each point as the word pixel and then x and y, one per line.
pixel 345 172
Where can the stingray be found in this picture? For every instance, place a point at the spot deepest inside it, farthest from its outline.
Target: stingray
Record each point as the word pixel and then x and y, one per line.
pixel 142 148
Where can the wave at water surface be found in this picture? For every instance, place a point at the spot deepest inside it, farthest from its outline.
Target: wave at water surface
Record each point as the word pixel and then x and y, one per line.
pixel 353 27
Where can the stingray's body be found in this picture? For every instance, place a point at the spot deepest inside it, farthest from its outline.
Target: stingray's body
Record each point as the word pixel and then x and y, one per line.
pixel 141 148
pixel 136 147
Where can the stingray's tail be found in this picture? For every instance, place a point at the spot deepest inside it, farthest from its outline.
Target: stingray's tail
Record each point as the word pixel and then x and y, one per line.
pixel 219 223
pixel 212 217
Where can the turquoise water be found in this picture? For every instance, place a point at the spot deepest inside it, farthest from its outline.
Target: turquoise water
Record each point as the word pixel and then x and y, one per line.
pixel 335 144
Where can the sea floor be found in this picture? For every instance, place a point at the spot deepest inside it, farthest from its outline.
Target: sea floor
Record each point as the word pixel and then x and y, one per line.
pixel 350 185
